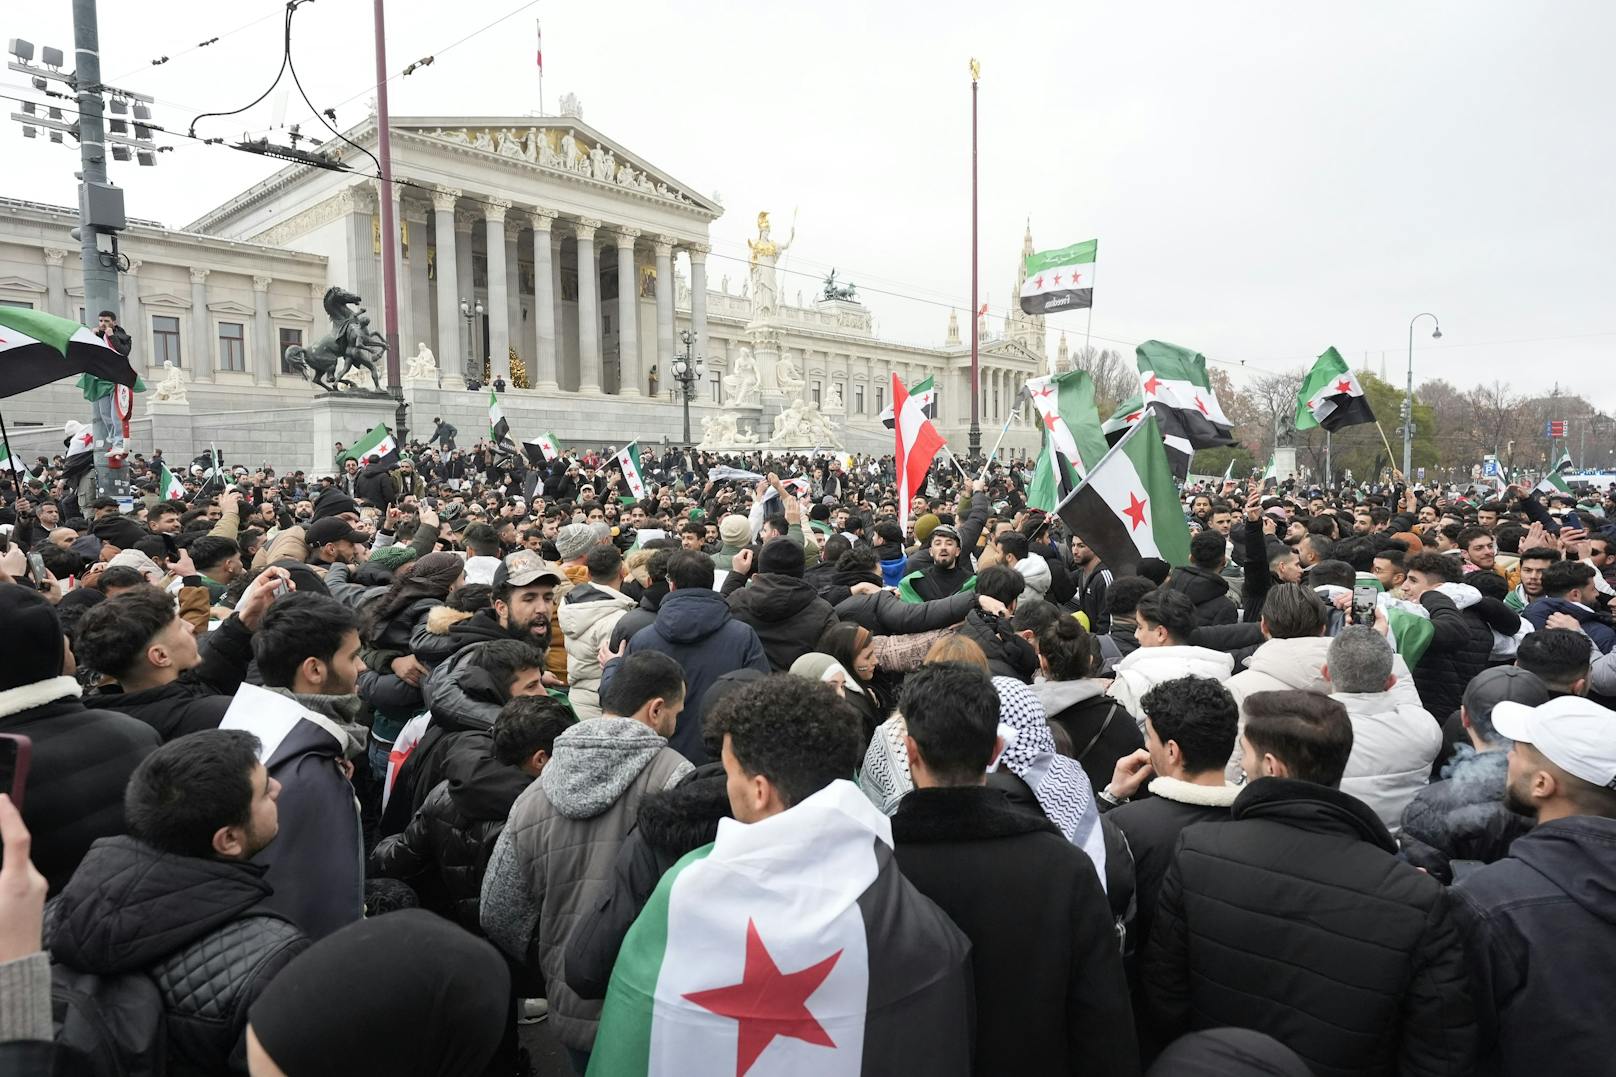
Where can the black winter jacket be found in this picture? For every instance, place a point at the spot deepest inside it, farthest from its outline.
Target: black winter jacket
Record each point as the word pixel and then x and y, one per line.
pixel 82 760
pixel 642 615
pixel 1540 934
pixel 670 824
pixel 1461 647
pixel 786 614
pixel 1051 997
pixel 193 925
pixel 1008 654
pixel 1101 729
pixel 444 851
pixel 1296 919
pixel 199 697
pixel 885 614
pixel 1208 591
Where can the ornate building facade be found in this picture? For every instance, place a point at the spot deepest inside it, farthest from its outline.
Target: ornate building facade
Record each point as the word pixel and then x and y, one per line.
pixel 586 260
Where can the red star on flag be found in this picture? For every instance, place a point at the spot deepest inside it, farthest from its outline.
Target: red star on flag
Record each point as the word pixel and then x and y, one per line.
pixel 1057 278
pixel 1076 277
pixel 1201 404
pixel 1135 510
pixel 1050 419
pixel 1343 386
pixel 88 439
pixel 1045 391
pixel 1133 418
pixel 1152 384
pixel 1038 281
pixel 767 1002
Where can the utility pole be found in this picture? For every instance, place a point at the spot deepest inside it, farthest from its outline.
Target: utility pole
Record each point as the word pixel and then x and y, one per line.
pixel 390 237
pixel 974 442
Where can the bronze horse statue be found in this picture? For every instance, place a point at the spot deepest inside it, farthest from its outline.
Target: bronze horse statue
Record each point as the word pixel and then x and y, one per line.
pixel 351 344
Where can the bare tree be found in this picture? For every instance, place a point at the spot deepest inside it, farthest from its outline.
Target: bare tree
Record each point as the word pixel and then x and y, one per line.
pixel 1115 376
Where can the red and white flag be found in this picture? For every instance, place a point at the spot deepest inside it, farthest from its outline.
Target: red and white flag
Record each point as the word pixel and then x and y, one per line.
pixel 917 443
pixel 539 29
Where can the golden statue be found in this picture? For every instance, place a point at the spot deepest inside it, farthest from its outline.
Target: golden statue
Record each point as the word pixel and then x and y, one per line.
pixel 765 254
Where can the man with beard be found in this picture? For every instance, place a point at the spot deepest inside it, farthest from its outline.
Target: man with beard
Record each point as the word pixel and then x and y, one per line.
pixel 1093 579
pixel 1537 924
pixel 180 899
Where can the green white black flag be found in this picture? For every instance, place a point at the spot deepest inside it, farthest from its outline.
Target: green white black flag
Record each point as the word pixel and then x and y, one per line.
pixel 1059 280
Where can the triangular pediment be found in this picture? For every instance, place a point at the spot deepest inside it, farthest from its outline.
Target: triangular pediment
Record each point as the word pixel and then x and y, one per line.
pixel 563 145
pixel 230 306
pixel 20 284
pixel 290 314
pixel 166 299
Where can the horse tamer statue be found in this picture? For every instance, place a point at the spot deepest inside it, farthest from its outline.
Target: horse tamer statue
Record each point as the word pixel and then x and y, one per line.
pixel 351 344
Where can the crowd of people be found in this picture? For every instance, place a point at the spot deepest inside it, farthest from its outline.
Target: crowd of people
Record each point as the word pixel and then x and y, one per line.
pixel 363 770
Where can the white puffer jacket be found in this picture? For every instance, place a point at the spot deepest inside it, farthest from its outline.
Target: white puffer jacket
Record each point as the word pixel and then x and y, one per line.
pixel 1394 742
pixel 1147 667
pixel 586 625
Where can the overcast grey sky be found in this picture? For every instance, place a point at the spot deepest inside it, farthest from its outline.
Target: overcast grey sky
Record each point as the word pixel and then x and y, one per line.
pixel 1265 179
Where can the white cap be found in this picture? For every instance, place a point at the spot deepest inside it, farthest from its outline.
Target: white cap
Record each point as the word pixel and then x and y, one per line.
pixel 1573 733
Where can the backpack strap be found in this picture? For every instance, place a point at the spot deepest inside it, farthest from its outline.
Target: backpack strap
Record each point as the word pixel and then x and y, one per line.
pixel 1104 725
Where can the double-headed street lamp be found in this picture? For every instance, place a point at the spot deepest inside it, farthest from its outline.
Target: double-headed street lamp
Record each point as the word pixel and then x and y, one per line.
pixel 1408 401
pixel 470 311
pixel 687 371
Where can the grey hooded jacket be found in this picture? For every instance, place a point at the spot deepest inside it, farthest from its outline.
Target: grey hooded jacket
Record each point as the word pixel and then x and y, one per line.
pixel 553 862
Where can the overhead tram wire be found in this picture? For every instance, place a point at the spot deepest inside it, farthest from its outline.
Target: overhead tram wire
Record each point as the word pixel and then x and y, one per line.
pixel 943 304
pixel 214 40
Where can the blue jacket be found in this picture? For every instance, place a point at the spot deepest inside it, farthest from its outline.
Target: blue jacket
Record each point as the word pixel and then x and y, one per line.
pixel 695 628
pixel 1597 627
pixel 894 570
pixel 1540 940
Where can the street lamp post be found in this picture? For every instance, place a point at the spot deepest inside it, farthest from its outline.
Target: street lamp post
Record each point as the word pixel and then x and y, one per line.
pixel 1408 400
pixel 687 371
pixel 470 311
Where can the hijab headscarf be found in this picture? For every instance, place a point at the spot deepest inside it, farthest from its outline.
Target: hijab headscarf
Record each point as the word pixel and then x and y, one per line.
pixel 396 995
pixel 817 666
pixel 1059 784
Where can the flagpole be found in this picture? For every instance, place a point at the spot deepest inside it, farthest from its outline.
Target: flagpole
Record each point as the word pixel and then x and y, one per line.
pixel 1329 471
pixel 1390 456
pixel 974 442
pixel 997 442
pixel 11 461
pixel 957 466
pixel 1089 322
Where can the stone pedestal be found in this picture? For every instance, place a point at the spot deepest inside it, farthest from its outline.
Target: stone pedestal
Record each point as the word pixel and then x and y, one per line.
pixel 345 417
pixel 171 423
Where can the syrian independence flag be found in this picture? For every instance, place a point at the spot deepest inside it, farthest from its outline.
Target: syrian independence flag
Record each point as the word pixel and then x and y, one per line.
pixel 1331 396
pixel 731 969
pixel 38 348
pixel 1552 483
pixel 1073 443
pixel 1128 508
pixel 1130 411
pixel 80 444
pixel 1059 280
pixel 374 445
pixel 1174 386
pixel 498 429
pixel 543 449
pixel 926 390
pixel 168 487
pixel 7 463
pixel 628 458
pixel 917 443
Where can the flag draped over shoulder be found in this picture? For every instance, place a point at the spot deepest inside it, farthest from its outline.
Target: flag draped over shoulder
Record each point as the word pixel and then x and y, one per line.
pixel 1127 508
pixel 38 348
pixel 1073 441
pixel 917 443
pixel 728 970
pixel 80 443
pixel 1331 396
pixel 1059 280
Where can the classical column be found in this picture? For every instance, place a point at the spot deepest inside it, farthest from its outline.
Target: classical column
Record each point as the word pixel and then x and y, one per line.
pixel 588 307
pixel 419 286
pixel 451 348
pixel 401 282
pixel 499 326
pixel 566 360
pixel 664 303
pixel 264 364
pixel 630 378
pixel 55 287
pixel 201 332
pixel 698 295
pixel 513 288
pixel 544 364
pixel 129 316
pixel 466 288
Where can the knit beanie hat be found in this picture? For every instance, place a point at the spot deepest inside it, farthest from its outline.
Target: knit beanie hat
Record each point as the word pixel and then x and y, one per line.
pixel 574 540
pixel 33 651
pixel 781 556
pixel 924 526
pixel 120 531
pixel 735 530
pixel 333 502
